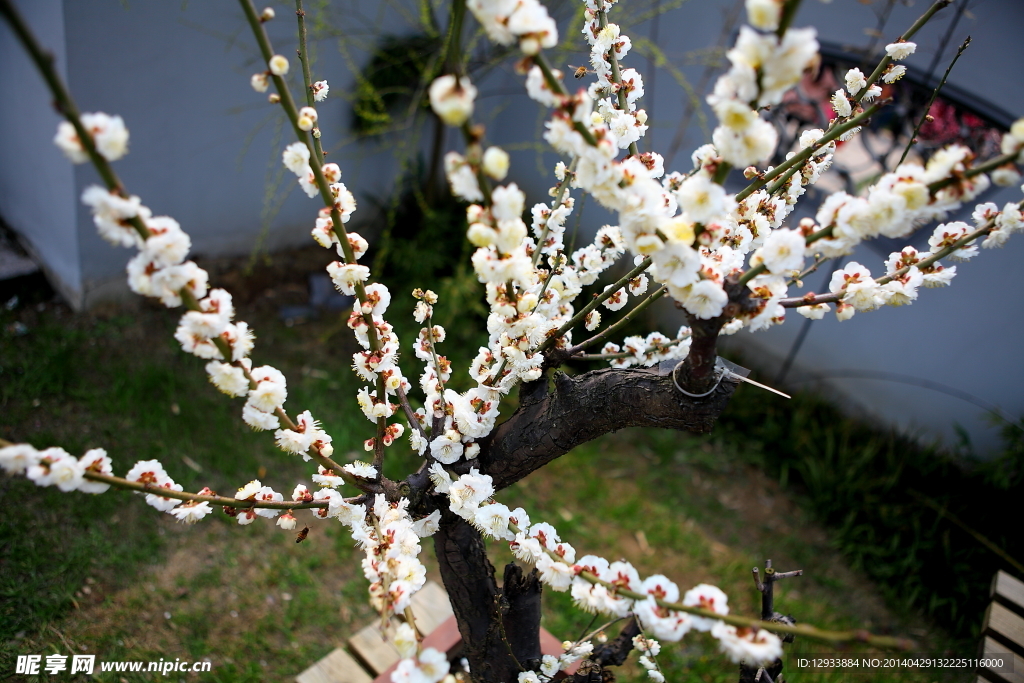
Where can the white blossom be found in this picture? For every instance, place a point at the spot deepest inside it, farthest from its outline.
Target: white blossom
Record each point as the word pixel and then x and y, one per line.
pixel 278 65
pixel 191 511
pixel 496 163
pixel 783 251
pixel 764 14
pixel 452 98
pixel 900 50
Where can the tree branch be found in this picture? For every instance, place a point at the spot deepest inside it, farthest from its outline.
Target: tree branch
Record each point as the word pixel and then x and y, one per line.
pixel 579 409
pixel 500 632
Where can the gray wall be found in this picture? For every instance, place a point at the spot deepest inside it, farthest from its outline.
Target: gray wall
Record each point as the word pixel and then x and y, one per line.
pixel 204 149
pixel 37 195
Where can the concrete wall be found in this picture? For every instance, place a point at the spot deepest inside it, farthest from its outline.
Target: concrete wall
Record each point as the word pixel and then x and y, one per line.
pixel 205 149
pixel 37 186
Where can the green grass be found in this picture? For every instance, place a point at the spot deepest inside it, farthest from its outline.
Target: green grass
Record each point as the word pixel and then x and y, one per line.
pixel 118 382
pixel 872 489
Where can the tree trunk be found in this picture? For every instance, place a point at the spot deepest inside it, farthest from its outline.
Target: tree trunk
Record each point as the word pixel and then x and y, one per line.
pixel 500 628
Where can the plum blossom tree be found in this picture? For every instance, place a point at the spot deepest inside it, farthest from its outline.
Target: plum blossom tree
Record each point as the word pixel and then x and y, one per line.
pixel 728 260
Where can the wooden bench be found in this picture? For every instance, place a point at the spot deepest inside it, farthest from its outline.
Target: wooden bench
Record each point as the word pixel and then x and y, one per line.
pixel 1003 631
pixel 371 659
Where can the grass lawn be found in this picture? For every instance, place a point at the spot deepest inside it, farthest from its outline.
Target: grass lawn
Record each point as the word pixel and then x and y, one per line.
pixel 107 575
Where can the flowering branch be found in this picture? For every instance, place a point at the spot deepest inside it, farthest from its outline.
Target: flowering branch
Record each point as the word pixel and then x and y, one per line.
pixel 798 159
pixel 925 116
pixel 602 17
pixel 66 105
pixel 563 185
pixel 990 165
pixel 594 303
pixel 618 325
pixel 556 86
pixel 223 501
pixel 811 299
pixel 887 60
pixel 315 163
pixel 307 78
pixel 858 636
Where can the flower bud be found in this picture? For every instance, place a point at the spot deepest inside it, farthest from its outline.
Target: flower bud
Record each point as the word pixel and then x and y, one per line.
pixel 480 235
pixel 267 14
pixel 529 45
pixel 259 82
pixel 278 65
pixel 496 163
pixel 273 98
pixel 452 98
pixel 307 118
pixel 332 172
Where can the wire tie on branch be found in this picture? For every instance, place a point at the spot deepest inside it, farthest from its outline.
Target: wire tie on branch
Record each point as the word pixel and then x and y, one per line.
pixel 723 369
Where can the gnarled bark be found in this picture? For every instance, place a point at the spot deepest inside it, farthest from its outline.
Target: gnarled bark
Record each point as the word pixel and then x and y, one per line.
pixel 500 628
pixel 549 424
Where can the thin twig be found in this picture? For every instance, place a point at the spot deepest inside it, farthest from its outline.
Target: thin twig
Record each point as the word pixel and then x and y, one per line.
pixel 597 301
pixel 307 78
pixel 612 329
pixel 935 93
pixel 410 414
pixel 887 60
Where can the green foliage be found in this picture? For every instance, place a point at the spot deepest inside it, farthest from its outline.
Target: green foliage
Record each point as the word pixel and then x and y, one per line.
pixel 407 255
pixel 394 77
pixel 883 496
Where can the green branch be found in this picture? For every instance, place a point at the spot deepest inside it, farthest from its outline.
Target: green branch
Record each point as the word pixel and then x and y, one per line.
pixel 597 301
pixel 612 329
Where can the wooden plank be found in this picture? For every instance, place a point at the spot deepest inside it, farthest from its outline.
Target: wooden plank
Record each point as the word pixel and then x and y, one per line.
pixel 375 652
pixel 430 607
pixel 549 645
pixel 1002 621
pixel 991 648
pixel 336 667
pixel 445 638
pixel 1008 588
